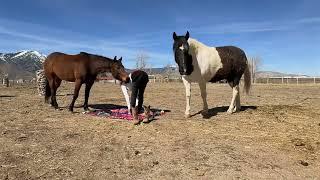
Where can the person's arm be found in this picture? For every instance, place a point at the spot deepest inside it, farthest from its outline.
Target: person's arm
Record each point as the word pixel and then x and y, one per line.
pixel 126 96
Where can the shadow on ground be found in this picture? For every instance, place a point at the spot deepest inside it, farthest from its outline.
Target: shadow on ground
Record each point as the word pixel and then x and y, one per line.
pixel 214 111
pixel 6 96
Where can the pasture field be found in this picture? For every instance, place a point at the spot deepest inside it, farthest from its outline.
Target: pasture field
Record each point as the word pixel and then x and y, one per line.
pixel 276 136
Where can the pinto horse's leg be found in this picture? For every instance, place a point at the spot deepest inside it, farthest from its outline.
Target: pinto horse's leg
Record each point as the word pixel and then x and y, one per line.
pixel 238 105
pixel 86 96
pixel 203 90
pixel 77 88
pixel 187 85
pixel 235 94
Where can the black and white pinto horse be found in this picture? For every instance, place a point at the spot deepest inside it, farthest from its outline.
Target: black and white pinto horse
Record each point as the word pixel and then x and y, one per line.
pixel 200 63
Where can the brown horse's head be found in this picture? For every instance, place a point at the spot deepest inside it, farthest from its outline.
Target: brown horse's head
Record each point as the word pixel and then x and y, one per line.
pixel 118 71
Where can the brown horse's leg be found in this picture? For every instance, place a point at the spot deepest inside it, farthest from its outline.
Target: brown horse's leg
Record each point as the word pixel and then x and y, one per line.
pixel 53 94
pixel 57 83
pixel 77 88
pixel 86 96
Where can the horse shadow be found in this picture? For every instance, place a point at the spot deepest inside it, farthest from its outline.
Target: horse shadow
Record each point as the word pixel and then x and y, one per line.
pixel 6 96
pixel 106 106
pixel 222 109
pixel 116 106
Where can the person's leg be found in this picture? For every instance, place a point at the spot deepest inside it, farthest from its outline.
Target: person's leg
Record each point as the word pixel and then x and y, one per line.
pixel 134 95
pixel 134 109
pixel 142 86
pixel 140 97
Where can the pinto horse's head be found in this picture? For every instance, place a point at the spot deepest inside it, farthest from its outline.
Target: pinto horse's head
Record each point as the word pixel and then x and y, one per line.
pixel 118 71
pixel 181 55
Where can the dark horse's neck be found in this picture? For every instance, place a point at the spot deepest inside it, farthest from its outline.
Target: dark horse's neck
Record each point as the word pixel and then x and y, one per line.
pixel 100 64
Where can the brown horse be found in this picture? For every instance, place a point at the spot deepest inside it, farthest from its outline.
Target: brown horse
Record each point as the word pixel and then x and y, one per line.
pixel 80 68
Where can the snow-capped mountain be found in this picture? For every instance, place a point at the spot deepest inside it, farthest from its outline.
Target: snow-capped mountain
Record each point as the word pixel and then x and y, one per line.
pixel 22 64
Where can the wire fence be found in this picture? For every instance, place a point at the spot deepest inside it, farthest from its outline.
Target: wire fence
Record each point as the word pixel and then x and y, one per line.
pixel 167 79
pixel 288 80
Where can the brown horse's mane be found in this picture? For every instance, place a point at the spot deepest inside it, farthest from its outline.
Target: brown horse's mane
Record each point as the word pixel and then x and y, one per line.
pixel 95 56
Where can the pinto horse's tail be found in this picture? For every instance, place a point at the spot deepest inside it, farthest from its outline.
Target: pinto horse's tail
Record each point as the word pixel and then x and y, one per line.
pixel 247 79
pixel 47 92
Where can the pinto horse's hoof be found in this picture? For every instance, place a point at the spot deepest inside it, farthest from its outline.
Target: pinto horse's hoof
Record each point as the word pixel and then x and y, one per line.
pixel 187 115
pixel 231 111
pixel 204 112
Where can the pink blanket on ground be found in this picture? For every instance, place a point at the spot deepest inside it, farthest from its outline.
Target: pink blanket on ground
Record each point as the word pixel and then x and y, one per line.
pixel 121 113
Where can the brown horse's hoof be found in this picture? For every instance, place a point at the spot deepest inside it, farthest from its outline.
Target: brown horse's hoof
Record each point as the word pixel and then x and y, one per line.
pixel 55 107
pixel 87 109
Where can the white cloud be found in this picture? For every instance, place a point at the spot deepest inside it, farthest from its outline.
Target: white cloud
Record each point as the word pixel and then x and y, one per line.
pixel 250 27
pixel 69 42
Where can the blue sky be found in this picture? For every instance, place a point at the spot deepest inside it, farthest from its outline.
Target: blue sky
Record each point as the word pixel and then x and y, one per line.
pixel 285 34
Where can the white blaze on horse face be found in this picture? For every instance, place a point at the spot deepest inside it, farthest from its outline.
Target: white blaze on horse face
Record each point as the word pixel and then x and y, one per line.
pixel 181 47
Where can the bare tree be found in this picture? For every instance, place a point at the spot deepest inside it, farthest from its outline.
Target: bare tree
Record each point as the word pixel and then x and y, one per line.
pixel 255 64
pixel 168 70
pixel 149 68
pixel 141 60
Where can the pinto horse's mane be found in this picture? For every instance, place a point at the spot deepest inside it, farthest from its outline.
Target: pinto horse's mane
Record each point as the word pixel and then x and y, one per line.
pixel 195 45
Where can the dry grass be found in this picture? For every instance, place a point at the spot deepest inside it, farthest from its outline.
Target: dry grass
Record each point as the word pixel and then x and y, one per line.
pixel 275 137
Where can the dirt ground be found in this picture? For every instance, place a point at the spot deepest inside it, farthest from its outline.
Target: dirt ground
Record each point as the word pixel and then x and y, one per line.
pixel 275 136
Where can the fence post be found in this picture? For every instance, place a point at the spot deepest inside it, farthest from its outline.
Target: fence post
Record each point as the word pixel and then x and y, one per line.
pixel 267 80
pixel 297 80
pixel 314 80
pixel 282 80
pixel 6 80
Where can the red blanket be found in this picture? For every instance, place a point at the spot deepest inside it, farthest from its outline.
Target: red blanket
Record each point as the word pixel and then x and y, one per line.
pixel 121 113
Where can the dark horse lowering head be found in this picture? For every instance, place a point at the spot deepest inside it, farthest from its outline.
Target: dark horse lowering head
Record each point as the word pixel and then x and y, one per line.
pixel 82 68
pixel 201 63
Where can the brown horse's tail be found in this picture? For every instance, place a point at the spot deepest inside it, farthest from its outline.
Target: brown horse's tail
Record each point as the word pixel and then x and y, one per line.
pixel 247 79
pixel 48 92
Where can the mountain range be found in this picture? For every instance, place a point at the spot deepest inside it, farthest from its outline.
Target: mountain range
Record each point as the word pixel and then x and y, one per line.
pixel 23 64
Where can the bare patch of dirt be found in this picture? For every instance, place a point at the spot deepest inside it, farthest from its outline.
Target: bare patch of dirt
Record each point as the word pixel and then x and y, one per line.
pixel 276 135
